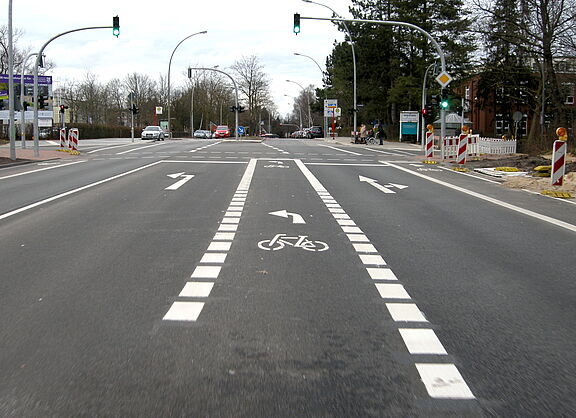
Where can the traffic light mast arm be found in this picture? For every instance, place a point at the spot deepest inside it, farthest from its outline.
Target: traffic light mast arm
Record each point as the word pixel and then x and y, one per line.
pixel 36 65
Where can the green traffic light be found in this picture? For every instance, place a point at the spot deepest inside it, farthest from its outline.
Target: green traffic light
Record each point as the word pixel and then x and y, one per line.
pixel 444 104
pixel 116 26
pixel 296 23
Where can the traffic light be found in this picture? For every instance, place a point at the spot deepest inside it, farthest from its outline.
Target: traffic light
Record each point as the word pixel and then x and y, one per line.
pixel 232 108
pixel 134 109
pixel 41 102
pixel 63 108
pixel 241 109
pixel 25 105
pixel 116 26
pixel 296 23
pixel 444 103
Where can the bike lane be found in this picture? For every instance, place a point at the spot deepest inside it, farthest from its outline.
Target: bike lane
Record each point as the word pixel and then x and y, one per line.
pixel 294 324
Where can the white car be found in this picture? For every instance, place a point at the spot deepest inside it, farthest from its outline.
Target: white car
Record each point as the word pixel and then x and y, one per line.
pixel 202 134
pixel 153 132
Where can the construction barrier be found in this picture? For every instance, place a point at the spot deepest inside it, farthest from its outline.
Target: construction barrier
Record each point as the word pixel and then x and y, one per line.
pixel 430 144
pixel 63 138
pixel 449 147
pixel 73 139
pixel 462 148
pixel 558 163
pixel 496 146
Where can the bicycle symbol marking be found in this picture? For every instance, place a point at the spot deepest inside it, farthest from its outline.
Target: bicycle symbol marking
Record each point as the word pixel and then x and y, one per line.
pixel 301 241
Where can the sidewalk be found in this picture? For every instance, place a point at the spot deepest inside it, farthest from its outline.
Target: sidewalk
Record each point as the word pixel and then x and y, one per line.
pixel 27 155
pixel 346 140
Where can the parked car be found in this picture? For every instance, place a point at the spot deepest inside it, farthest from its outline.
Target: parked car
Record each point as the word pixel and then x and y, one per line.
pixel 153 132
pixel 314 132
pixel 200 133
pixel 222 131
pixel 298 134
pixel 268 136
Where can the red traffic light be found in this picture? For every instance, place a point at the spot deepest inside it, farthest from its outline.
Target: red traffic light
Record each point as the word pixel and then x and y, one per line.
pixel 424 111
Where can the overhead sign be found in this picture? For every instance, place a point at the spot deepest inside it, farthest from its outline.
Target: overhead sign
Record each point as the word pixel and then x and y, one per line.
pixel 158 110
pixel 444 78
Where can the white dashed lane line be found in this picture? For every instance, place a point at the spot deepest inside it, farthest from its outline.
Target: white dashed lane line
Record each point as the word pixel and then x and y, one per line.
pixel 442 380
pixel 193 295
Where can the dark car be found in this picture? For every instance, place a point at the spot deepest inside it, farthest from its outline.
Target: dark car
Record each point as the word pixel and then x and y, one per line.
pixel 315 132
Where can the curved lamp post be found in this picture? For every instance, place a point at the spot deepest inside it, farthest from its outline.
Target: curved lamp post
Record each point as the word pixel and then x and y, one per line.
pixel 170 65
pixel 322 72
pixel 307 100
pixel 299 109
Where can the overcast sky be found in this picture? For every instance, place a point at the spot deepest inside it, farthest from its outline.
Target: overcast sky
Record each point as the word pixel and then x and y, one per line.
pixel 150 30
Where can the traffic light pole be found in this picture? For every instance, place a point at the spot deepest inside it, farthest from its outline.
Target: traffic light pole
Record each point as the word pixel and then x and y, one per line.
pixel 235 91
pixel 411 26
pixel 36 65
pixel 423 130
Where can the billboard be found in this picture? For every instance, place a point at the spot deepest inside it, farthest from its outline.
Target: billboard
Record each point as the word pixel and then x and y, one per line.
pixel 44 91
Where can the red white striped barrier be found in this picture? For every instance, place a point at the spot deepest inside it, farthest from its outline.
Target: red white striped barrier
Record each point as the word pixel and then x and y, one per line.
pixel 430 144
pixel 558 163
pixel 63 138
pixel 462 147
pixel 73 139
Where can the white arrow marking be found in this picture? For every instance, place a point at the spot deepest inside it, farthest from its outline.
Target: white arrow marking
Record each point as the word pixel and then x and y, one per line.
pixel 296 218
pixel 175 175
pixel 374 183
pixel 398 186
pixel 176 186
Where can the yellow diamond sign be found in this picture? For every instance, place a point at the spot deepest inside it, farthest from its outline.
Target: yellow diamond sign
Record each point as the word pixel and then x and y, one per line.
pixel 444 78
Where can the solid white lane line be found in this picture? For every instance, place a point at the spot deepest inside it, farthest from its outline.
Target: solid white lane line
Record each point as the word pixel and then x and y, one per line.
pixel 196 290
pixel 422 341
pixel 518 209
pixel 107 148
pixel 444 381
pixel 214 258
pixel 341 150
pixel 469 175
pixel 206 272
pixel 136 149
pixel 41 169
pixel 392 291
pixel 184 311
pixel 405 312
pixel 383 152
pixel 79 189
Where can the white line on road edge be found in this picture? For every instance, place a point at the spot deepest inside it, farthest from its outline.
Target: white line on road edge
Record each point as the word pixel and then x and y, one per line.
pixel 213 259
pixel 341 150
pixel 419 340
pixel 139 148
pixel 115 146
pixel 205 146
pixel 79 189
pixel 41 169
pixel 383 152
pixel 518 209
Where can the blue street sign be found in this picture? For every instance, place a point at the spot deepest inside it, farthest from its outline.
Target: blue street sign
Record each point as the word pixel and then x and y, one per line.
pixel 240 130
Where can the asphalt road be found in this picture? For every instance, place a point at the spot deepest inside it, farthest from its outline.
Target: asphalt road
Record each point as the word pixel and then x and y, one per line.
pixel 282 278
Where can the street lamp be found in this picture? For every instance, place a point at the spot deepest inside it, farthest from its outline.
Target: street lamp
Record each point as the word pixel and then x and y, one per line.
pixel 299 109
pixel 322 72
pixel 307 100
pixel 170 65
pixel 355 110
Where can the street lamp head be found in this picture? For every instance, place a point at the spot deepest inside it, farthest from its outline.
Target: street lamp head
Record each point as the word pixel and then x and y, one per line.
pixel 296 53
pixel 307 1
pixel 204 31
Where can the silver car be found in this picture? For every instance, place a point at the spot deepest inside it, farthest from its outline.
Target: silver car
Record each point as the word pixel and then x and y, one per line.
pixel 200 133
pixel 153 132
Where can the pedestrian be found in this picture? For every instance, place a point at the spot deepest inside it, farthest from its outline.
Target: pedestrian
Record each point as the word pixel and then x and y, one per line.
pixel 363 134
pixel 381 133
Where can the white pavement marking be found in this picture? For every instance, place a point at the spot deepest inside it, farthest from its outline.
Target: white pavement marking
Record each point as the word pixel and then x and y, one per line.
pixel 216 253
pixel 392 291
pixel 383 152
pixel 184 311
pixel 444 381
pixel 41 169
pixel 418 341
pixel 518 209
pixel 196 290
pixel 205 146
pixel 107 148
pixel 79 189
pixel 405 312
pixel 341 150
pixel 469 175
pixel 180 183
pixel 206 272
pixel 422 341
pixel 136 149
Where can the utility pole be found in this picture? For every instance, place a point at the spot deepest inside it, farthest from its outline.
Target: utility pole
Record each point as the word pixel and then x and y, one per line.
pixel 11 122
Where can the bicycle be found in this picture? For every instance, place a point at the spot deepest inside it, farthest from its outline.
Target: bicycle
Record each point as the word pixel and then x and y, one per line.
pixel 301 241
pixel 371 140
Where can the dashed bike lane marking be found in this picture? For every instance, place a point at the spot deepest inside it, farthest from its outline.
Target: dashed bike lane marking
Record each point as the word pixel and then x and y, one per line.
pixel 441 379
pixel 192 297
pixel 276 149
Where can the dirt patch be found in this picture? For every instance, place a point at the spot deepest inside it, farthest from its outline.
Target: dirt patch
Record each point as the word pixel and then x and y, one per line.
pixel 527 163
